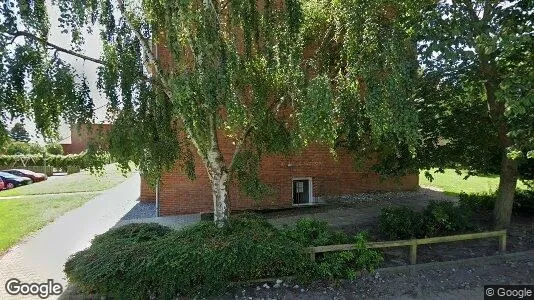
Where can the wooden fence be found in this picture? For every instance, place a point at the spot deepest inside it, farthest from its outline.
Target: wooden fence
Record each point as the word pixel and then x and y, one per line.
pixel 501 234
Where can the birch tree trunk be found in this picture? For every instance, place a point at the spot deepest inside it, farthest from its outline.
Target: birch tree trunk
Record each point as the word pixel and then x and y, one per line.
pixel 218 176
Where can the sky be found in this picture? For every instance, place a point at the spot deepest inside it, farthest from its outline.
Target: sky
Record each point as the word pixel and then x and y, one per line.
pixel 92 48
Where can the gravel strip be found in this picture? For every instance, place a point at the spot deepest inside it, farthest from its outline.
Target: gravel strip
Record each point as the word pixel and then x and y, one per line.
pixel 141 211
pixel 462 279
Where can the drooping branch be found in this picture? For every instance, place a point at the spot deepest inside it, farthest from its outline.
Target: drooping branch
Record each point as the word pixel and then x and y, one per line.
pixel 147 49
pixel 274 107
pixel 53 46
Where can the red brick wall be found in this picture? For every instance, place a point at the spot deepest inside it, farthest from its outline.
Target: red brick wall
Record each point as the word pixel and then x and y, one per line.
pixel 330 177
pixel 81 136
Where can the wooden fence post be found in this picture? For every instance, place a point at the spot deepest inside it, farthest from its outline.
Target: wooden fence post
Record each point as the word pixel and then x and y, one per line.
pixel 413 253
pixel 502 243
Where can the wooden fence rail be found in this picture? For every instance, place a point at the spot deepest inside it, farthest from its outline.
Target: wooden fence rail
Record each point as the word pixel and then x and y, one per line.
pixel 501 234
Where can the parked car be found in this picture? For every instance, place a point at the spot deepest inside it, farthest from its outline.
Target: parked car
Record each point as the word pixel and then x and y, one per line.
pixel 35 177
pixel 2 185
pixel 12 181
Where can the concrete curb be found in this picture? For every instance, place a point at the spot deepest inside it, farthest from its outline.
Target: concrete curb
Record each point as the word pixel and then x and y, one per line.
pixel 493 259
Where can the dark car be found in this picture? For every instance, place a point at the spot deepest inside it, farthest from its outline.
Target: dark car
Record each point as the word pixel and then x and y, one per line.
pixel 2 185
pixel 12 181
pixel 35 177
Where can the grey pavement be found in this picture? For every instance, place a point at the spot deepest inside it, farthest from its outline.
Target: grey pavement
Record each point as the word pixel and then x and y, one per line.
pixel 42 255
pixel 174 222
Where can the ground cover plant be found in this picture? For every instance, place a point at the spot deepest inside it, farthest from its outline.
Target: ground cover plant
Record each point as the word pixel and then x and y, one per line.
pixel 146 260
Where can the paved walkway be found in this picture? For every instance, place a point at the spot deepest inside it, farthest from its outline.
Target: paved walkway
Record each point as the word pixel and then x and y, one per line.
pixel 42 255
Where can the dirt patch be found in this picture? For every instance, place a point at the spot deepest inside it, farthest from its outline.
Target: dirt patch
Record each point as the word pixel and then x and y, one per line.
pixel 455 280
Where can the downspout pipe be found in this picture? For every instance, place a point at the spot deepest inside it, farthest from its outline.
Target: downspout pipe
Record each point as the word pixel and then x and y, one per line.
pixel 157 198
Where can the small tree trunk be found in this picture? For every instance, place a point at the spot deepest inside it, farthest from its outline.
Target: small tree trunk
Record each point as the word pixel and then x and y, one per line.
pixel 221 210
pixel 502 212
pixel 218 176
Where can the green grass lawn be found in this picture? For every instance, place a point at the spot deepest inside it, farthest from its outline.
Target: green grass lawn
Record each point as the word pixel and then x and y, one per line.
pixel 78 182
pixel 452 183
pixel 22 216
pixel 34 209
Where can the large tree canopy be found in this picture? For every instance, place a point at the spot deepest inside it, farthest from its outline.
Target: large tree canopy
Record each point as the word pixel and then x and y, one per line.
pixel 271 76
pixel 477 85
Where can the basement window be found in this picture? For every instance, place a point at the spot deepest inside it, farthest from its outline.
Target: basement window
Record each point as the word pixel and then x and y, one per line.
pixel 302 191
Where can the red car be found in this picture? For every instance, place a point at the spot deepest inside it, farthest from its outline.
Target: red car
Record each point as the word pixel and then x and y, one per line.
pixel 35 177
pixel 2 185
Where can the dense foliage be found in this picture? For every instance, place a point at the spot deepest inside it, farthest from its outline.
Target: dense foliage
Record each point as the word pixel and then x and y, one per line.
pixel 477 91
pixel 523 204
pixel 54 149
pixel 84 160
pixel 437 219
pixel 180 76
pixel 367 49
pixel 17 148
pixel 139 261
pixel 334 265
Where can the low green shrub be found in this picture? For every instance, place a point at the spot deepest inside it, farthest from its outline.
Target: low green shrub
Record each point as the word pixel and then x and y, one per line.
pixel 476 202
pixel 442 218
pixel 400 223
pixel 140 261
pixel 312 232
pixel 523 202
pixel 199 260
pixel 438 218
pixel 22 148
pixel 54 149
pixel 83 160
pixel 334 265
pixel 347 264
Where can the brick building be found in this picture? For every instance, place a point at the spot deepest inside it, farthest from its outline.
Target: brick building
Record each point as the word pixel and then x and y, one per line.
pixel 305 178
pixel 82 135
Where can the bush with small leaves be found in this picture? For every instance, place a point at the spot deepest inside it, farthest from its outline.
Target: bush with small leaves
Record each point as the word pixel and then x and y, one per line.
pixel 141 261
pixel 146 260
pixel 438 218
pixel 523 202
pixel 334 265
pixel 400 223
pixel 54 148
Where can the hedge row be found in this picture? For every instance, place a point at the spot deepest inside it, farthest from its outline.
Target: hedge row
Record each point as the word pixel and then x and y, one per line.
pixel 523 202
pixel 82 160
pixel 437 219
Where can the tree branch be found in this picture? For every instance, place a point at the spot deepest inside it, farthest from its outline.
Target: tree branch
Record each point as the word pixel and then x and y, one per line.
pixel 469 9
pixel 53 46
pixel 274 107
pixel 147 49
